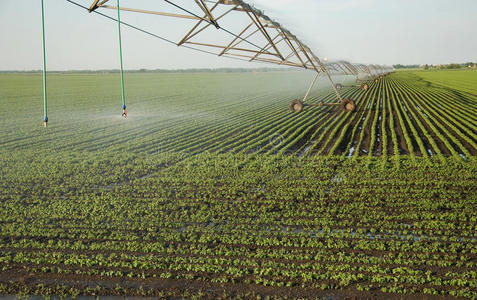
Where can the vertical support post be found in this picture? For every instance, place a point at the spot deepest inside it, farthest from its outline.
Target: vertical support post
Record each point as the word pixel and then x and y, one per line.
pixel 45 110
pixel 125 113
pixel 311 85
pixel 329 78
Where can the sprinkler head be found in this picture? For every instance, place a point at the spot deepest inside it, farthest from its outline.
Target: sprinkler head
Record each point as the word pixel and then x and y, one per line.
pixel 45 122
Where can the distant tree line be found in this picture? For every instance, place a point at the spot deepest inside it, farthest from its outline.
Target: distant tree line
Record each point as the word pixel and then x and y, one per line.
pixel 399 66
pixel 203 70
pixel 440 66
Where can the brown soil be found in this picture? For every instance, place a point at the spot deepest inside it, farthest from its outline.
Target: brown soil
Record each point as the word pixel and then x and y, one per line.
pixel 362 112
pixel 318 133
pixel 439 143
pixel 387 129
pixel 378 145
pixel 306 138
pixel 466 145
pixel 342 147
pixel 160 288
pixel 403 147
pixel 367 133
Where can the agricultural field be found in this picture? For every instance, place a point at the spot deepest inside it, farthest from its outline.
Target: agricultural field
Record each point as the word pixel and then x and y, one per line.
pixel 212 189
pixel 407 113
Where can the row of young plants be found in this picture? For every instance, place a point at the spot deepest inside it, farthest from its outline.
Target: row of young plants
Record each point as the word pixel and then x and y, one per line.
pixel 253 118
pixel 445 117
pixel 317 222
pixel 132 208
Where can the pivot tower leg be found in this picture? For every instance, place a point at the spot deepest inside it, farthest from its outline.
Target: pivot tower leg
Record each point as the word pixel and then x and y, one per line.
pixel 311 86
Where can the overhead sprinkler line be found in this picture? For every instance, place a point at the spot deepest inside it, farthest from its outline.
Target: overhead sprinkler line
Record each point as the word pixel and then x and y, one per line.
pixel 217 26
pixel 125 112
pixel 298 48
pixel 45 108
pixel 308 60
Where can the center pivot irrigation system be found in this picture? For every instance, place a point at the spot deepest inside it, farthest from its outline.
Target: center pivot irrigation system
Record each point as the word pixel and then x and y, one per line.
pixel 362 73
pixel 233 29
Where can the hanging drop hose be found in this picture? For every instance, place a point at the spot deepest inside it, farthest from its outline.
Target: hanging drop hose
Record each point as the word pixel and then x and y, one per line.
pixel 125 112
pixel 45 110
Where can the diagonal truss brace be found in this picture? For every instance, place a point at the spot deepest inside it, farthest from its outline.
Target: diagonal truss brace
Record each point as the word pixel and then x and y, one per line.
pixel 275 40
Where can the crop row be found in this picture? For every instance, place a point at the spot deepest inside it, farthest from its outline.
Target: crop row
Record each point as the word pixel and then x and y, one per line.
pixel 298 223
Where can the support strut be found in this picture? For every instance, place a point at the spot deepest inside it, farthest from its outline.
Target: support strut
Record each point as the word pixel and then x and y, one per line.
pixel 345 104
pixel 329 78
pixel 311 86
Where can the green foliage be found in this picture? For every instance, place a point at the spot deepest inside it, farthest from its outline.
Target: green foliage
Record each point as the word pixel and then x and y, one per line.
pixel 380 228
pixel 102 201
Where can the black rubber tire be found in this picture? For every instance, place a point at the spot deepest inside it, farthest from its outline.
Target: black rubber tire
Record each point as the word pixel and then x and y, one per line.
pixel 364 86
pixel 296 106
pixel 348 105
pixel 338 86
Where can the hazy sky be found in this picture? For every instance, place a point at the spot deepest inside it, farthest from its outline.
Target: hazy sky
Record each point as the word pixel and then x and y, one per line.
pixel 366 31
